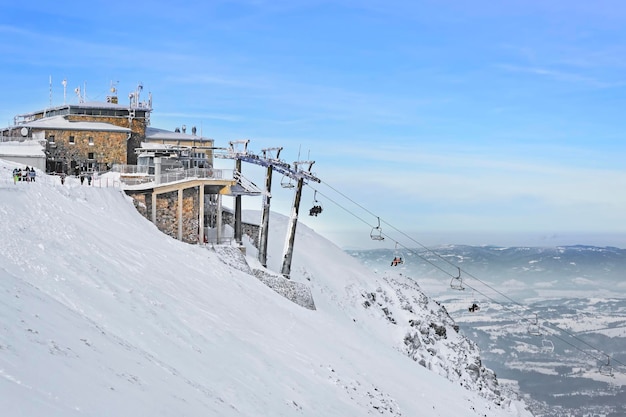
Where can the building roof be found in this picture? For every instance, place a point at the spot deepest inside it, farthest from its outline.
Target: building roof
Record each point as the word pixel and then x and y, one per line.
pixel 61 123
pixel 32 148
pixel 91 105
pixel 153 133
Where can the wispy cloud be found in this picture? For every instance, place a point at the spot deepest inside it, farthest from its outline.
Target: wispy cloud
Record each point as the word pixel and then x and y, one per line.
pixel 557 75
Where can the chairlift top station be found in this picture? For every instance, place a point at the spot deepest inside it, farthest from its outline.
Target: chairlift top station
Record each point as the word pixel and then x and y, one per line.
pixel 85 136
pixel 238 151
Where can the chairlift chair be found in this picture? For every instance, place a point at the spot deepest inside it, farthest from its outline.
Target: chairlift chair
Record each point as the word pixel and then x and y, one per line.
pixel 456 283
pixel 396 259
pixel 534 328
pixel 547 345
pixel 287 182
pixel 474 308
pixel 606 369
pixel 317 206
pixel 377 232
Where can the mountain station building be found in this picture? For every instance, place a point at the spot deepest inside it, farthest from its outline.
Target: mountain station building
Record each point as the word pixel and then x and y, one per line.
pixel 93 136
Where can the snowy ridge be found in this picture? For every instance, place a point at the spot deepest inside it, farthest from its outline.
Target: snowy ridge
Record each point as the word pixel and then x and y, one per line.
pixel 432 338
pixel 103 315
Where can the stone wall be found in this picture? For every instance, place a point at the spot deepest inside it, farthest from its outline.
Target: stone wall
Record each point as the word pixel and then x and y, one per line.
pixel 103 147
pixel 248 229
pixel 167 212
pixel 126 154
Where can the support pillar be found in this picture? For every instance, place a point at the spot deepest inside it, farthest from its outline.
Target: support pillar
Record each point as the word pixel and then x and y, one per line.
pixel 291 230
pixel 180 214
pixel 218 220
pixel 238 225
pixel 201 213
pixel 265 220
pixel 154 207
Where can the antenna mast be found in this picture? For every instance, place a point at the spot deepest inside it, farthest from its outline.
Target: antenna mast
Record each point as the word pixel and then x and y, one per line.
pixel 50 91
pixel 64 82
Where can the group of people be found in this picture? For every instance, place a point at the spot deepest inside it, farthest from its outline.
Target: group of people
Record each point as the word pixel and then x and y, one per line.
pixel 82 179
pixel 315 210
pixel 27 174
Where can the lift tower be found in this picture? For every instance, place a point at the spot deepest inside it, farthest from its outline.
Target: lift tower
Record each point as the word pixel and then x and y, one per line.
pixel 272 163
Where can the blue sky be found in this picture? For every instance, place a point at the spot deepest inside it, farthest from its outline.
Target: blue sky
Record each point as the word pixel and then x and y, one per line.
pixel 456 122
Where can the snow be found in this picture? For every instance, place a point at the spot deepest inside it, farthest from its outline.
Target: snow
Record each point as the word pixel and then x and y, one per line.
pixel 24 148
pixel 61 122
pixel 103 315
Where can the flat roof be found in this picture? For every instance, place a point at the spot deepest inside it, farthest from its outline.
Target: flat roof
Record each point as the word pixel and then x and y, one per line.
pixel 89 105
pixel 61 123
pixel 153 133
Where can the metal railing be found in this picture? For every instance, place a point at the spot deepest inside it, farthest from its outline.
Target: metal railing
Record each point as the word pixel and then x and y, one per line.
pixel 130 169
pixel 133 175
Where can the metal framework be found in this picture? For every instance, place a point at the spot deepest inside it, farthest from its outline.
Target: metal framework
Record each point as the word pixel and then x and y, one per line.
pixel 299 171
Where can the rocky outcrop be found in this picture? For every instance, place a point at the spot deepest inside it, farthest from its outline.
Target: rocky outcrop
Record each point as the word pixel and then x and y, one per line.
pixel 430 335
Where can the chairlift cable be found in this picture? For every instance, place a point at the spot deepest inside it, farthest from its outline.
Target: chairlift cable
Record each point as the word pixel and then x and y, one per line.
pixel 434 265
pixel 511 300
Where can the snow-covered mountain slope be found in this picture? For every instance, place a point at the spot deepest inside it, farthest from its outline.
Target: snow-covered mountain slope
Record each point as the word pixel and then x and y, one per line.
pixel 103 315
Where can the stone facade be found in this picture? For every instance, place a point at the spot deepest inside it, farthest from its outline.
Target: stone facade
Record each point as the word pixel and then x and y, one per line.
pixel 167 214
pixel 167 218
pixel 248 229
pixel 90 150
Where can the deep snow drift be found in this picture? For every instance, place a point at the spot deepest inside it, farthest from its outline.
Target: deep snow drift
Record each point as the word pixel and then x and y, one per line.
pixel 103 315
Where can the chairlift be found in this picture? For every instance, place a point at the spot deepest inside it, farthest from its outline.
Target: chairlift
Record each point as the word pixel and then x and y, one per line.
pixel 456 283
pixel 317 206
pixel 606 369
pixel 287 182
pixel 547 345
pixel 474 308
pixel 396 258
pixel 377 232
pixel 534 328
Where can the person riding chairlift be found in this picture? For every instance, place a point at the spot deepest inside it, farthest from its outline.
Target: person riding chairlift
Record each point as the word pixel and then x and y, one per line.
pixel 396 260
pixel 315 210
pixel 474 308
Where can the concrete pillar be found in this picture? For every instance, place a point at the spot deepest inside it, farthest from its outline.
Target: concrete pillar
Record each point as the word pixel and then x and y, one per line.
pixel 265 220
pixel 157 170
pixel 180 214
pixel 291 230
pixel 238 229
pixel 154 207
pixel 218 220
pixel 201 213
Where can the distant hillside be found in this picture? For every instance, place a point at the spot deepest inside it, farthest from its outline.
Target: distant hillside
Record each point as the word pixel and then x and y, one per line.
pixel 568 266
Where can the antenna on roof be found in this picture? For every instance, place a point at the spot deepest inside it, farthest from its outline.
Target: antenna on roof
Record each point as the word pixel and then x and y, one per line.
pixel 113 89
pixel 77 91
pixel 64 82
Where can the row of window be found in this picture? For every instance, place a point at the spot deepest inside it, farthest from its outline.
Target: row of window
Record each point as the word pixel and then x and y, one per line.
pixel 71 141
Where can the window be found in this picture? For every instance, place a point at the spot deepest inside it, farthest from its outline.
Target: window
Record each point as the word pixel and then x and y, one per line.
pixel 72 140
pixel 90 141
pixel 90 155
pixel 51 139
